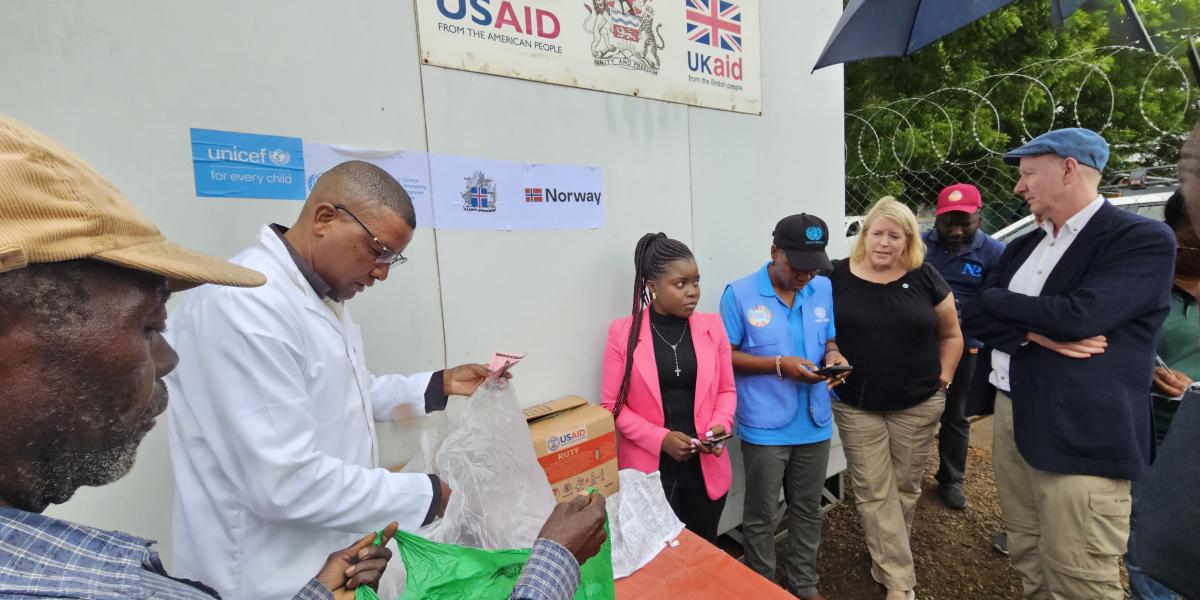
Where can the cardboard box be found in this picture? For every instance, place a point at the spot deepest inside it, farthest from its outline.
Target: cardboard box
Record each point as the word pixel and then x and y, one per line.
pixel 576 444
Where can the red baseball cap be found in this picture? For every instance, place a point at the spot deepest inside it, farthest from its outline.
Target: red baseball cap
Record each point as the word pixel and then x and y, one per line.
pixel 962 197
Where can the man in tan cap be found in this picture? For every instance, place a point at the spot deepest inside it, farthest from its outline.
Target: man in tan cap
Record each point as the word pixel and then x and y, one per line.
pixel 84 281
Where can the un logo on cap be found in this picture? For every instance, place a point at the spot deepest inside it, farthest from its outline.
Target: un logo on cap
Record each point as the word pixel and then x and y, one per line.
pixel 813 233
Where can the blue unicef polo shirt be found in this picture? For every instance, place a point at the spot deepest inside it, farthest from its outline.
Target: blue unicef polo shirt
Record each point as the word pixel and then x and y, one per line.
pixel 966 269
pixel 774 412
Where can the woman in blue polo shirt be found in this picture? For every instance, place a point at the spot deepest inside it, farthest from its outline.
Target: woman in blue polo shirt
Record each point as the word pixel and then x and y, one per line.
pixel 780 324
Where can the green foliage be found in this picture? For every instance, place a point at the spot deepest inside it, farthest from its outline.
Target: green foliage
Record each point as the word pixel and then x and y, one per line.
pixel 1011 75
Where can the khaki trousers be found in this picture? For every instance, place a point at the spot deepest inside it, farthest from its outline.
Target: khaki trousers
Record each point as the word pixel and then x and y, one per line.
pixel 886 453
pixel 1066 533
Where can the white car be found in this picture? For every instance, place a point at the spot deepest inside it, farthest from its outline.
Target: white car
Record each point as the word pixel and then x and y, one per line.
pixel 1148 205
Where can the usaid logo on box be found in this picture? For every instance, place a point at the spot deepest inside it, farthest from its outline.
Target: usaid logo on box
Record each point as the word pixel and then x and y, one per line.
pixel 563 440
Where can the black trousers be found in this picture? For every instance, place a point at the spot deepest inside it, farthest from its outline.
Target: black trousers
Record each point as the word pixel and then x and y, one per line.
pixel 954 435
pixel 692 505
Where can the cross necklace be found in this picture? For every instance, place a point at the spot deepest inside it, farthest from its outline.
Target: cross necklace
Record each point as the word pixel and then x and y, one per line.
pixel 678 371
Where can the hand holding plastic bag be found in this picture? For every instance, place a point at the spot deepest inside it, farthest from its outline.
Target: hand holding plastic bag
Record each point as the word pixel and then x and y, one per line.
pixel 480 447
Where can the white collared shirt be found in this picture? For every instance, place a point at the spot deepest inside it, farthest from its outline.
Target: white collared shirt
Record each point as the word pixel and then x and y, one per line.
pixel 272 434
pixel 1031 276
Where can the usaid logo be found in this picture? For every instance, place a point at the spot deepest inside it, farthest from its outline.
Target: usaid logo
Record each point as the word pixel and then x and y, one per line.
pixel 563 440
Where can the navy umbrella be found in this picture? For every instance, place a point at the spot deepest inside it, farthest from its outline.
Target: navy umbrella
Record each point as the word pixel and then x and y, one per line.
pixel 874 28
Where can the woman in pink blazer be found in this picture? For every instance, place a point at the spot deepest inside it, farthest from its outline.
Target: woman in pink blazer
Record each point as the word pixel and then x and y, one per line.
pixel 668 380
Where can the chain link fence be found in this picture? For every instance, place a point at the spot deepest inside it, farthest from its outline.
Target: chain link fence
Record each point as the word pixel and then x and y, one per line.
pixel 919 190
pixel 911 148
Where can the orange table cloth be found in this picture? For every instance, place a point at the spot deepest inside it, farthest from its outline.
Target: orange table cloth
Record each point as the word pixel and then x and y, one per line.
pixel 696 569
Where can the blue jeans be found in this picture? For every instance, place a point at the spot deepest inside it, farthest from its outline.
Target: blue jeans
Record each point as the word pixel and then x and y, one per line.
pixel 1145 588
pixel 1142 585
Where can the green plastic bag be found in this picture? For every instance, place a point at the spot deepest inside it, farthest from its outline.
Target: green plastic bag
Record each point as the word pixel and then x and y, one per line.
pixel 450 572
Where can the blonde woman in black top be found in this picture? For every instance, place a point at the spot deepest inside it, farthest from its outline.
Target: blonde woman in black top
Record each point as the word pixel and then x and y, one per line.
pixel 898 327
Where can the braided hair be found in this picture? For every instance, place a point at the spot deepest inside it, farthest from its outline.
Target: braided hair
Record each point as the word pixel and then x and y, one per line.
pixel 654 251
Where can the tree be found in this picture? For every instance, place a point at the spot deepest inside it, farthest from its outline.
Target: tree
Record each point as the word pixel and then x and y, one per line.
pixel 947 112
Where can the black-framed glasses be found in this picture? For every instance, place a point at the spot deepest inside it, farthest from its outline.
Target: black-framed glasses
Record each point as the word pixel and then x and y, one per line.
pixel 384 255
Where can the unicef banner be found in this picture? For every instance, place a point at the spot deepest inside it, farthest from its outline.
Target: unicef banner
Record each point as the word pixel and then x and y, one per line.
pixel 698 52
pixel 448 192
pixel 228 164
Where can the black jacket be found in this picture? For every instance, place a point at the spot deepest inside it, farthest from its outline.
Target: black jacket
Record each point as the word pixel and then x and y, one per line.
pixel 1081 416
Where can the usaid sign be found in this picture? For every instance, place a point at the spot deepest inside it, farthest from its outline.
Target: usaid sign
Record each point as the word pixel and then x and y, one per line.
pixel 697 52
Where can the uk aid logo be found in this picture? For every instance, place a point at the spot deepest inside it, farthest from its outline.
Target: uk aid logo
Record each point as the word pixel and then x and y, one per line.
pixel 716 27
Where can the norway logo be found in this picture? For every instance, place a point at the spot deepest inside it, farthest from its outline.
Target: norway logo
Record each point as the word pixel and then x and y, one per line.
pixel 533 194
pixel 715 23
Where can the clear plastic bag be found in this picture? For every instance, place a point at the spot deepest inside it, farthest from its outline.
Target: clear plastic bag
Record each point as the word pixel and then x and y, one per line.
pixel 480 447
pixel 499 494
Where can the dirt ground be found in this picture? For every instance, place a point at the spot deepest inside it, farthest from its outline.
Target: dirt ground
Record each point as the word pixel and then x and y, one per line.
pixel 952 548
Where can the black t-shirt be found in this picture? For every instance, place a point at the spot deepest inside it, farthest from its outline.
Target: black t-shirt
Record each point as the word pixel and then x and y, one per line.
pixel 888 333
pixel 678 393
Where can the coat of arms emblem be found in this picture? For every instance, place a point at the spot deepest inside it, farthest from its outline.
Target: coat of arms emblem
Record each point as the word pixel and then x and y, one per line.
pixel 624 34
pixel 480 195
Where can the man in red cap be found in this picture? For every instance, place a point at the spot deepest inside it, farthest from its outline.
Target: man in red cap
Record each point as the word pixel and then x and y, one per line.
pixel 963 255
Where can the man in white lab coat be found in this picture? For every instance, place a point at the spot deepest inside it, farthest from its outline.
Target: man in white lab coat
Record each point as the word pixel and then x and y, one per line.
pixel 271 423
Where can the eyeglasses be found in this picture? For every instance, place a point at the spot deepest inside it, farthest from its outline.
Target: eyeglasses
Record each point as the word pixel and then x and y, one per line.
pixel 385 255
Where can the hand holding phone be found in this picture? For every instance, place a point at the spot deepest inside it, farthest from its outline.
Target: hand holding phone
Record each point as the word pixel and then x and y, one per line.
pixel 716 439
pixel 834 370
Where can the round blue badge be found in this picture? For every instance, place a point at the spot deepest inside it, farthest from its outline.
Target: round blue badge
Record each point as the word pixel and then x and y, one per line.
pixel 813 233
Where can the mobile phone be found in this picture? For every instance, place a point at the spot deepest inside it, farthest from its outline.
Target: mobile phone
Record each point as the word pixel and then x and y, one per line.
pixel 834 370
pixel 713 440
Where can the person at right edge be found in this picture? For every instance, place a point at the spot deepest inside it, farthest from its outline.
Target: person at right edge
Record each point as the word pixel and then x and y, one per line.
pixel 1179 349
pixel 898 327
pixel 963 255
pixel 1072 313
pixel 780 324
pixel 1168 514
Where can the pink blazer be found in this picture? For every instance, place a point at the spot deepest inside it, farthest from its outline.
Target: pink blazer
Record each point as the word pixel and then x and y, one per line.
pixel 640 430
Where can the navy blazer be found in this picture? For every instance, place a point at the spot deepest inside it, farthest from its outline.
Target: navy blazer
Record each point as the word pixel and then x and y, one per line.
pixel 1081 416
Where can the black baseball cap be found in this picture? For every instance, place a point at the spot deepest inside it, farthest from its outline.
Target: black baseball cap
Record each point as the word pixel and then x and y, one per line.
pixel 803 238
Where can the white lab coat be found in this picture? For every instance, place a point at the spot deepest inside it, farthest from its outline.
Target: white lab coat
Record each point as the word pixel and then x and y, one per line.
pixel 272 434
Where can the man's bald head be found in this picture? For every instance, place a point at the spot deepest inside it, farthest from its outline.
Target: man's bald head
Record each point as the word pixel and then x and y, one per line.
pixel 361 185
pixel 1189 175
pixel 355 225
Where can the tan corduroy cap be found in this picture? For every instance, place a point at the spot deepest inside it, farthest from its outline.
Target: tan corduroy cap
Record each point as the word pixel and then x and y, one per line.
pixel 56 207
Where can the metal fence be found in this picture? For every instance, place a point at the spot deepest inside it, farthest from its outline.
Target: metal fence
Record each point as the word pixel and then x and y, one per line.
pixel 911 148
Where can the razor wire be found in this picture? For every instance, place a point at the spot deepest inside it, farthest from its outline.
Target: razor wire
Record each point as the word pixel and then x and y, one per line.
pixel 912 147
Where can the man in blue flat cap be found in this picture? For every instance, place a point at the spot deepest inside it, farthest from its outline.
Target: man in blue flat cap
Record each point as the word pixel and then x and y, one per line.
pixel 1072 312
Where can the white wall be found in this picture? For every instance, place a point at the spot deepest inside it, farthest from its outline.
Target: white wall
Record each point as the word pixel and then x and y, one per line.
pixel 121 81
